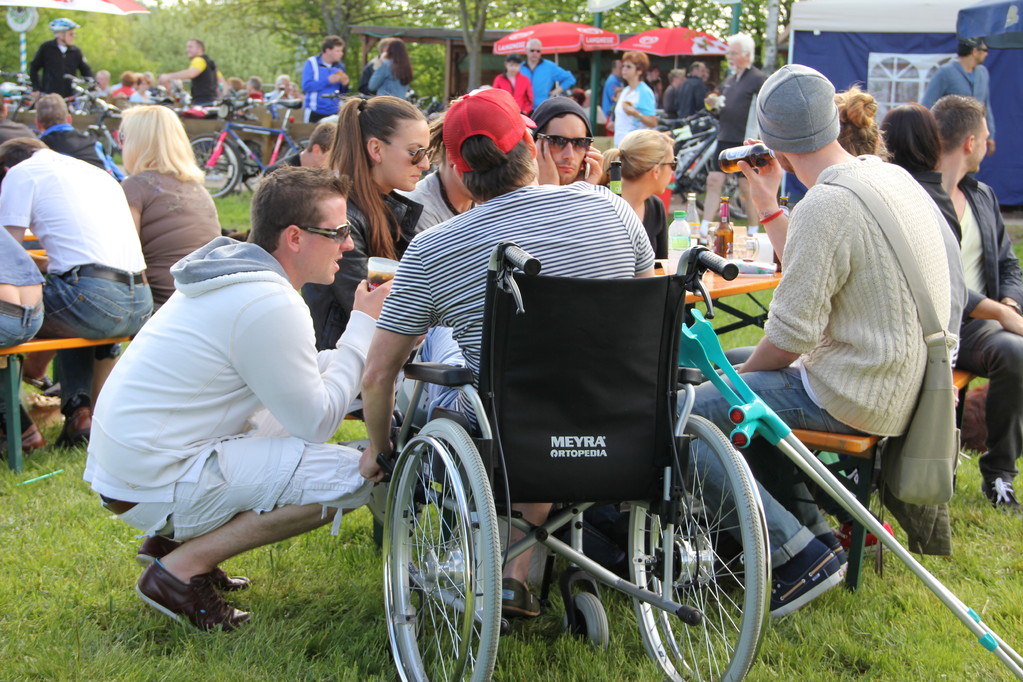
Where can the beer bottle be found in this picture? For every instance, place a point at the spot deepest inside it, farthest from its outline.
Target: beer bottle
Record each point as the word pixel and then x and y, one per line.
pixel 724 234
pixel 783 203
pixel 615 173
pixel 756 155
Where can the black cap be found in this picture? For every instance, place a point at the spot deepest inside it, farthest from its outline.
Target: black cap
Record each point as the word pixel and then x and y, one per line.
pixel 513 57
pixel 559 106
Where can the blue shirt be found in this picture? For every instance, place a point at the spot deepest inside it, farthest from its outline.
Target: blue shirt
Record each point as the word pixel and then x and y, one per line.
pixel 606 101
pixel 952 79
pixel 316 83
pixel 16 266
pixel 544 76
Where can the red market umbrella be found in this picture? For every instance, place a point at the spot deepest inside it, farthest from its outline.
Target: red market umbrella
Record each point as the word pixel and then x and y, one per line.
pixel 666 42
pixel 558 37
pixel 102 6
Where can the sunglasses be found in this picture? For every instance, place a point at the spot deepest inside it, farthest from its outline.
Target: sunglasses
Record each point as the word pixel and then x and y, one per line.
pixel 673 163
pixel 417 155
pixel 559 142
pixel 338 234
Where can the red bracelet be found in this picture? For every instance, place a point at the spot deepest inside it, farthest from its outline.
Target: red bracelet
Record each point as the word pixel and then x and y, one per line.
pixel 764 221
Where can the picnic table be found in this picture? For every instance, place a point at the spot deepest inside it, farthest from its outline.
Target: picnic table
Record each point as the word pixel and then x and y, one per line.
pixel 720 288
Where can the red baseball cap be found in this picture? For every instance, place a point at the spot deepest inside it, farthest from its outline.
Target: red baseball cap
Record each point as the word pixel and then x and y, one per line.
pixel 491 112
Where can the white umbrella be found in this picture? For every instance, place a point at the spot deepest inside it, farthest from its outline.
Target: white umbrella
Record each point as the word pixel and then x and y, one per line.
pixel 102 6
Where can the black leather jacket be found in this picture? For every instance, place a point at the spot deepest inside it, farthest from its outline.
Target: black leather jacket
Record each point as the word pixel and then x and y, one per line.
pixel 331 304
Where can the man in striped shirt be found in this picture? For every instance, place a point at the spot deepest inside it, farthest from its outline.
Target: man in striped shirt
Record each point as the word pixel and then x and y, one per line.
pixel 577 230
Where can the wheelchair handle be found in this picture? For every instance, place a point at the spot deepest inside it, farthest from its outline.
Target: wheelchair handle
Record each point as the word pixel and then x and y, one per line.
pixel 699 259
pixel 522 260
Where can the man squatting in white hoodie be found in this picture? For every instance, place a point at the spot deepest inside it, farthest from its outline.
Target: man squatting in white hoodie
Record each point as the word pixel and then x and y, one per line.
pixel 210 435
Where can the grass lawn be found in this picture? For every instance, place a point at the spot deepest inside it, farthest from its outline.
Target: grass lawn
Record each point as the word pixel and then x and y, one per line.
pixel 68 610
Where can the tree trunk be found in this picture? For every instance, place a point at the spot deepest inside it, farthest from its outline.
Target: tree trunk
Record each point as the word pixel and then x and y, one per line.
pixel 472 31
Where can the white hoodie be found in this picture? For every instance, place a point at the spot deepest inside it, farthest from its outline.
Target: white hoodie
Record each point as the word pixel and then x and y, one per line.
pixel 233 339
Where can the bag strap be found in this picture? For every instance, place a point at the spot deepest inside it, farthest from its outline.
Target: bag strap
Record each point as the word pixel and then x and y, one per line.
pixel 903 252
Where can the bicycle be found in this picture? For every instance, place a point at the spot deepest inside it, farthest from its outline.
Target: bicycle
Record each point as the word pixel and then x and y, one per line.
pixel 87 101
pixel 696 139
pixel 16 89
pixel 227 159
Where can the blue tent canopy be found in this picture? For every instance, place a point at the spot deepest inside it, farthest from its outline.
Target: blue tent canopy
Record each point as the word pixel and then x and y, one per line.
pixel 998 22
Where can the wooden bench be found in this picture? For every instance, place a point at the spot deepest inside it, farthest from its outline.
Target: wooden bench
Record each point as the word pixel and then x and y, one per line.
pixel 857 470
pixel 10 384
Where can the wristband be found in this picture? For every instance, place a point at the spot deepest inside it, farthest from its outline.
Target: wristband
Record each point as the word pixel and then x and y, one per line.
pixel 764 221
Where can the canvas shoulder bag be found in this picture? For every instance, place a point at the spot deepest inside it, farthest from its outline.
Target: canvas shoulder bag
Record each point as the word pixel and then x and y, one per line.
pixel 918 467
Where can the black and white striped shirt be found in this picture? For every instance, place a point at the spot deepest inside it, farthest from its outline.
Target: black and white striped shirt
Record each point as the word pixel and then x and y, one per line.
pixel 579 230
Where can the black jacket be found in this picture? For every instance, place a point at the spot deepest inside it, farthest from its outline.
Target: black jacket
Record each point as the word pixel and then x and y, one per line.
pixel 55 65
pixel 76 144
pixel 1001 268
pixel 331 304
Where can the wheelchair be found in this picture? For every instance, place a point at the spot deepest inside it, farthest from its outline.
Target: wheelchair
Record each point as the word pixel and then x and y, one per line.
pixel 577 405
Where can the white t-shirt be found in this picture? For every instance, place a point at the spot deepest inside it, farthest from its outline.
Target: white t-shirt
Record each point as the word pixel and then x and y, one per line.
pixel 973 252
pixel 78 211
pixel 641 97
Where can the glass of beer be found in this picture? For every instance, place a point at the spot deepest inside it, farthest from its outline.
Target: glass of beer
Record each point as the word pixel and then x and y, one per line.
pixel 380 270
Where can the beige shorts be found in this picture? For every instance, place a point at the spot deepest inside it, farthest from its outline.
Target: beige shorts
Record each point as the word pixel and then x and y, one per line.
pixel 256 474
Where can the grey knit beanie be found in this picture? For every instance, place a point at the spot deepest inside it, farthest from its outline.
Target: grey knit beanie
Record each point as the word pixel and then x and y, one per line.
pixel 796 110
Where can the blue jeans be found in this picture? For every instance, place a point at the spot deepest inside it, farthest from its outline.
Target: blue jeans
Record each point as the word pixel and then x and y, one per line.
pixel 18 323
pixel 793 524
pixel 91 308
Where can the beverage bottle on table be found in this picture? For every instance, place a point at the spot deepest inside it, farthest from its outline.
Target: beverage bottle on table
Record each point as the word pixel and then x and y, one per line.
pixel 615 175
pixel 693 216
pixel 678 235
pixel 783 203
pixel 724 234
pixel 756 155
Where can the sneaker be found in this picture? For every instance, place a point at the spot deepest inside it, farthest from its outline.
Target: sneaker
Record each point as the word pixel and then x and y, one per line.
pixel 157 547
pixel 76 429
pixel 196 602
pixel 517 600
pixel 1000 494
pixel 844 535
pixel 803 578
pixel 835 545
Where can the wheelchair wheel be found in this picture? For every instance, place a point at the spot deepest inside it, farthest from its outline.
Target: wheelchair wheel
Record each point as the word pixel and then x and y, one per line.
pixel 590 620
pixel 718 563
pixel 442 561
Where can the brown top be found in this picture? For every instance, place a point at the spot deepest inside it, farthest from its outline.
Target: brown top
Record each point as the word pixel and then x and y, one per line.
pixel 177 218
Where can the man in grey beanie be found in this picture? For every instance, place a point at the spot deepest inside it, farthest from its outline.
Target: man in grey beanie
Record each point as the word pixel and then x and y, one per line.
pixel 843 349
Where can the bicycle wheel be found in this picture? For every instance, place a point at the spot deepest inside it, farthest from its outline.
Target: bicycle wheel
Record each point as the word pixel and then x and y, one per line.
pixel 714 558
pixel 225 174
pixel 442 559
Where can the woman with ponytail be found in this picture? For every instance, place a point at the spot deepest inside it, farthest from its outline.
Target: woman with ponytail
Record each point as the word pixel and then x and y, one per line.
pixel 647 168
pixel 382 145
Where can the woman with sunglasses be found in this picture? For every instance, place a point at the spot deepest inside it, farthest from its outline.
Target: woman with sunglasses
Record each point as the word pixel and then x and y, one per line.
pixel 648 165
pixel 382 144
pixel 636 108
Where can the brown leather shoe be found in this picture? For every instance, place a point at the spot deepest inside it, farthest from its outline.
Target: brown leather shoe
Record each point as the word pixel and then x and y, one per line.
pixel 196 602
pixel 157 547
pixel 76 429
pixel 32 439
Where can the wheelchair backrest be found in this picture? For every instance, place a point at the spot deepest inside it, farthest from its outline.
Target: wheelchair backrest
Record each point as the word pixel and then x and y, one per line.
pixel 580 387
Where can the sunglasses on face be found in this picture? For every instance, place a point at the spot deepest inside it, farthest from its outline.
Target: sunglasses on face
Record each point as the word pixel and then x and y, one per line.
pixel 338 234
pixel 673 163
pixel 559 142
pixel 417 155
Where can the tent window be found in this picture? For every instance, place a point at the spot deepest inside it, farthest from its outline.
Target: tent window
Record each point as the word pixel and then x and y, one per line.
pixel 895 79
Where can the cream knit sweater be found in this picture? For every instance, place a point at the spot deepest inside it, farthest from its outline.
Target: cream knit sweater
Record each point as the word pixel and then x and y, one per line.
pixel 844 305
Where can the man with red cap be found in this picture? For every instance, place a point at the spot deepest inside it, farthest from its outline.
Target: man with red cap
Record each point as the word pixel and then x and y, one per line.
pixel 440 284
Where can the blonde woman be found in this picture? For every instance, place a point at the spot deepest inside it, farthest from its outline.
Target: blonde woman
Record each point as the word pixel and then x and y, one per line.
pixel 648 165
pixel 173 212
